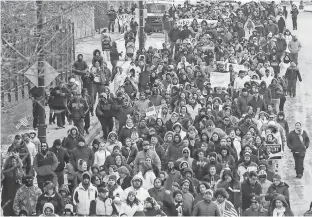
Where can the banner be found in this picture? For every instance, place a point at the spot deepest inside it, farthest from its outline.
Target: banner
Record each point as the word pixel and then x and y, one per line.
pixel 275 151
pixel 124 19
pixel 219 79
pixel 188 22
pixel 236 67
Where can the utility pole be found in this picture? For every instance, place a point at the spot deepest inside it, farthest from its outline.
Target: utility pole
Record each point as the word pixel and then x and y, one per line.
pixel 141 24
pixel 42 134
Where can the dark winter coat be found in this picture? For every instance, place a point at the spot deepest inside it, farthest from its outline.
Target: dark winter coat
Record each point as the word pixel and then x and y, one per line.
pixel 297 144
pixel 55 199
pixel 292 73
pixel 85 153
pixel 248 192
pixel 62 157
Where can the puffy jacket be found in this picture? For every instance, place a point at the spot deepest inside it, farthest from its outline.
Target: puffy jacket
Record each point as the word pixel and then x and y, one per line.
pixel 26 199
pixel 248 192
pixel 273 190
pixel 82 197
pixel 70 142
pixel 242 103
pixel 85 153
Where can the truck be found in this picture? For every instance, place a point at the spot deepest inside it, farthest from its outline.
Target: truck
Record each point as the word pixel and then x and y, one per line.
pixel 155 11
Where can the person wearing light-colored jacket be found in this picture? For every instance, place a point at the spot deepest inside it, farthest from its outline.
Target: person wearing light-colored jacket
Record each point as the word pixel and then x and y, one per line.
pixel 84 193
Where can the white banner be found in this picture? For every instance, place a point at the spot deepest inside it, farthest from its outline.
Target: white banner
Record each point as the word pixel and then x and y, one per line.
pixel 219 79
pixel 188 22
pixel 236 67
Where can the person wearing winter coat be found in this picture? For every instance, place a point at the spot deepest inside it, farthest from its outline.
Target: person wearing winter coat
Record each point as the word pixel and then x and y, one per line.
pixel 11 180
pixel 105 113
pixel 265 184
pixel 291 76
pixel 158 192
pixel 71 140
pixel 112 141
pixel 45 163
pixel 82 151
pixel 49 195
pixel 103 205
pixel 83 194
pixel 97 57
pixel 281 119
pixel 256 208
pixel 206 207
pixel 141 156
pixel 152 208
pixel 173 175
pixel 132 206
pixel 186 156
pixel 124 177
pixel 226 208
pixel 66 195
pixel 294 14
pixel 276 92
pixel 62 157
pixel 26 196
pixel 277 188
pixel 101 155
pixel 19 147
pixel 245 166
pixel 280 207
pixel 294 47
pixel 298 142
pixel 250 188
pixel 77 179
pixel 34 139
pixel 136 186
pixel 48 210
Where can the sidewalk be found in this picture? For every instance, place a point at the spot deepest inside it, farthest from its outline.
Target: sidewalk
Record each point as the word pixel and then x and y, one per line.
pixel 86 47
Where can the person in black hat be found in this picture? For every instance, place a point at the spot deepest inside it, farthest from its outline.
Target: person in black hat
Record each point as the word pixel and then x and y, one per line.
pixel 256 208
pixel 82 151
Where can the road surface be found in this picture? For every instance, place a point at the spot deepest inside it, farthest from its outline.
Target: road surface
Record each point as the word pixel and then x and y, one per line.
pixel 300 109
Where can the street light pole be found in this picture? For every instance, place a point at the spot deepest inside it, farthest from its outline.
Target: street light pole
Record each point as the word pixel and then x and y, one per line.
pixel 42 134
pixel 141 24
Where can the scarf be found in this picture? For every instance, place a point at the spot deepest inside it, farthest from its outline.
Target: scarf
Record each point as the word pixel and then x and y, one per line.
pixel 300 135
pixel 279 212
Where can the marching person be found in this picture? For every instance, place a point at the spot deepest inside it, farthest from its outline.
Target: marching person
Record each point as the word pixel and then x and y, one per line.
pixel 298 142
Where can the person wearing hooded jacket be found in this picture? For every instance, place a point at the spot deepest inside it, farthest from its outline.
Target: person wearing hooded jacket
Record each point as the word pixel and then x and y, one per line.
pixel 112 141
pixel 82 151
pixel 45 163
pixel 277 188
pixel 48 210
pixel 186 156
pixel 71 140
pixel 83 194
pixel 280 207
pixel 63 158
pixel 50 195
pixel 136 186
pixel 174 151
pixel 276 92
pixel 146 152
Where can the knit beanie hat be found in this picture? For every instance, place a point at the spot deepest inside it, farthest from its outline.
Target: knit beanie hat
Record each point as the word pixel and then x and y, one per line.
pixel 277 176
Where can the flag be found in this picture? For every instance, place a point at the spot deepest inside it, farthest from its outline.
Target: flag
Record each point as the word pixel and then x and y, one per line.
pixel 230 213
pixel 22 122
pixel 229 210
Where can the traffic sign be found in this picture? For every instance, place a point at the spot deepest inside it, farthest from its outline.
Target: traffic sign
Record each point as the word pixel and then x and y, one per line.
pixel 49 73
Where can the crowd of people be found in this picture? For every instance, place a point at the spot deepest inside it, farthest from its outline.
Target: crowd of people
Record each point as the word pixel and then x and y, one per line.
pixel 174 143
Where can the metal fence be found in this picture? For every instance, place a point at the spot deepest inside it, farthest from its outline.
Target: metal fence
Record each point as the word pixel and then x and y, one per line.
pixel 19 52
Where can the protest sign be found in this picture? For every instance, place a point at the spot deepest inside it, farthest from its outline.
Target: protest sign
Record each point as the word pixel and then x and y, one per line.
pixel 153 111
pixel 275 151
pixel 124 19
pixel 188 22
pixel 236 67
pixel 219 79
